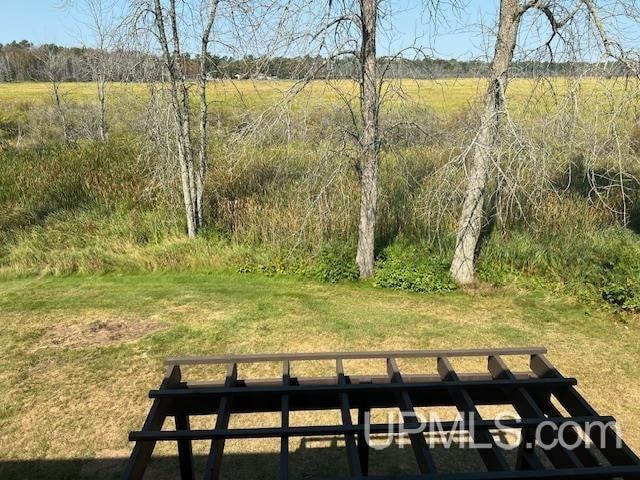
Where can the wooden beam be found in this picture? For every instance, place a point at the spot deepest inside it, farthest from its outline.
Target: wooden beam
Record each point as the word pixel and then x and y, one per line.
pixel 214 461
pixel 355 469
pixel 526 407
pixel 421 450
pixel 492 456
pixel 575 404
pixel 284 423
pixel 142 450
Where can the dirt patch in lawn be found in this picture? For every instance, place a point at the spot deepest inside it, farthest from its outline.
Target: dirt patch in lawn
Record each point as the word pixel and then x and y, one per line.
pixel 98 331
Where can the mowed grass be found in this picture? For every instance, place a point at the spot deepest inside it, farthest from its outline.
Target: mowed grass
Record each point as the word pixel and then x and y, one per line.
pixel 78 354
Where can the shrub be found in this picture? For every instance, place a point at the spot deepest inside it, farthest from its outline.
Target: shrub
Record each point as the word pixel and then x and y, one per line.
pixel 415 268
pixel 623 297
pixel 336 262
pixel 602 264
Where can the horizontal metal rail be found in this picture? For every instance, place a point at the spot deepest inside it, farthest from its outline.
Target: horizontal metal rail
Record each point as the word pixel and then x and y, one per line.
pixel 374 428
pixel 279 357
pixel 547 383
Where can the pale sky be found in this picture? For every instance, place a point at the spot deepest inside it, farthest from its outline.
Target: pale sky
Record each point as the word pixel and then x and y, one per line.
pixel 459 35
pixel 46 21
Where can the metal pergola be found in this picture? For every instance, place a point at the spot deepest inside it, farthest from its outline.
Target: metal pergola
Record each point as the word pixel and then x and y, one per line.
pixel 531 394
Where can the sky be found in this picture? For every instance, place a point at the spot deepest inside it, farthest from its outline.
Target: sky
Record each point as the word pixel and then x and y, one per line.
pixel 39 21
pixel 461 35
pixel 46 21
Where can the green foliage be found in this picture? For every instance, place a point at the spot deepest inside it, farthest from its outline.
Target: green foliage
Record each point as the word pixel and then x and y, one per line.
pixel 413 267
pixel 623 297
pixel 37 182
pixel 274 208
pixel 270 267
pixel 336 262
pixel 595 265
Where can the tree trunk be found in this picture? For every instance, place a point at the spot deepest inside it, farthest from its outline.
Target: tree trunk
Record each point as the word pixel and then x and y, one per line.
pixel 102 99
pixel 370 145
pixel 185 177
pixel 181 111
pixel 203 160
pixel 472 217
pixel 60 109
pixel 188 156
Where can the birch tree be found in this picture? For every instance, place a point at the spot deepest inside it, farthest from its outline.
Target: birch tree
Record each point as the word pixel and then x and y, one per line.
pixel 54 65
pixel 369 164
pixel 166 27
pixel 100 19
pixel 472 216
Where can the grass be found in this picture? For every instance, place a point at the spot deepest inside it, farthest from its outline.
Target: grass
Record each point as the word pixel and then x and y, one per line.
pixel 79 353
pixel 98 282
pixel 446 95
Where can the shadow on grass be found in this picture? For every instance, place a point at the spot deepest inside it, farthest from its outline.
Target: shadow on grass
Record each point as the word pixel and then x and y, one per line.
pixel 312 459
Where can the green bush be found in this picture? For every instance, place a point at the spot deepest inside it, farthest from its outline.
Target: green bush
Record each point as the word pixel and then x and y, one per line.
pixel 600 265
pixel 336 262
pixel 623 297
pixel 413 267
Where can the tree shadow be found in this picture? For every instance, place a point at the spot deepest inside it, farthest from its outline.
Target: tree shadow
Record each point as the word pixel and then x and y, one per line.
pixel 69 196
pixel 310 459
pixel 578 179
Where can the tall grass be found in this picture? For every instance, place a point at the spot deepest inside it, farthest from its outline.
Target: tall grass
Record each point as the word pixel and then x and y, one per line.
pixel 284 197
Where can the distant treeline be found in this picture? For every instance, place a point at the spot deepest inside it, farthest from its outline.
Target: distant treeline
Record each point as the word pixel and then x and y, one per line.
pixel 24 61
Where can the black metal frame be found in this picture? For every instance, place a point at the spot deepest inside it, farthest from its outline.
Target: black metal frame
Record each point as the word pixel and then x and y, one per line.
pixel 530 393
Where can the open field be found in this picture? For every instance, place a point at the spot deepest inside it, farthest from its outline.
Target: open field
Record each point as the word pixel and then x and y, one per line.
pixel 445 95
pixel 282 196
pixel 78 354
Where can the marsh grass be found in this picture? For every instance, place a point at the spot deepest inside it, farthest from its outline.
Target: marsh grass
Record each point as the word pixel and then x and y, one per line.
pixel 283 198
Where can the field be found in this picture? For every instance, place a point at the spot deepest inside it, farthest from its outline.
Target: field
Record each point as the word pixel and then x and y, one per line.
pixel 98 282
pixel 282 191
pixel 444 96
pixel 79 353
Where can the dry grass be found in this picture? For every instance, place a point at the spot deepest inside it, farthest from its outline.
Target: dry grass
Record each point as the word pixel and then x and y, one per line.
pixel 443 95
pixel 96 330
pixel 66 406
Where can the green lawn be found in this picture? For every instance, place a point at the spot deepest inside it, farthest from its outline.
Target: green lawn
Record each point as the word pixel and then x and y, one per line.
pixel 79 353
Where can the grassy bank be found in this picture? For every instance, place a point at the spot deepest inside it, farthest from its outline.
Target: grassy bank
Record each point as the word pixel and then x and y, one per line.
pixel 86 208
pixel 284 199
pixel 79 353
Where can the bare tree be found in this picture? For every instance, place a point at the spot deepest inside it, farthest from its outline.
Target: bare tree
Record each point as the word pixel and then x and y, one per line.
pixel 202 89
pixel 629 9
pixel 166 25
pixel 348 28
pixel 352 29
pixel 54 68
pixel 100 18
pixel 369 164
pixel 493 109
